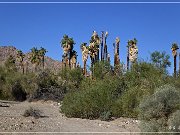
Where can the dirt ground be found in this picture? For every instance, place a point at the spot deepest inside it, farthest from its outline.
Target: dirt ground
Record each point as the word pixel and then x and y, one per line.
pixel 53 122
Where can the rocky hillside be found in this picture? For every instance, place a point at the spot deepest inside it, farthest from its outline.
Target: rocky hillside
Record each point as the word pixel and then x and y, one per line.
pixel 6 51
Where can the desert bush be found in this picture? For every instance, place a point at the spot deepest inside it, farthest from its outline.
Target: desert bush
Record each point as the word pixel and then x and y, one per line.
pixel 174 122
pixel 92 102
pixel 157 109
pixel 71 78
pixel 127 104
pixel 36 113
pixel 140 82
pixel 11 85
pixel 45 79
pixel 52 93
pixel 18 92
pixel 101 69
pixel 145 75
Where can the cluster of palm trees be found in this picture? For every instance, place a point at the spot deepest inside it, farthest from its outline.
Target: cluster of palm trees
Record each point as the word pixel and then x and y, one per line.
pixel 97 47
pixel 69 54
pixel 36 57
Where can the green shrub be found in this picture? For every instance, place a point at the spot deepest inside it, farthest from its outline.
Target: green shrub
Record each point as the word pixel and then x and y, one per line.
pixel 71 78
pixel 18 92
pixel 126 105
pixel 45 79
pixel 92 102
pixel 140 82
pixel 101 69
pixel 157 109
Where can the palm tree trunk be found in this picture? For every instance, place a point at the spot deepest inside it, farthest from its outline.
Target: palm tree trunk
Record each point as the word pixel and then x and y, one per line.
pixel 102 47
pixel 43 62
pixel 105 50
pixel 175 65
pixel 92 66
pixel 128 59
pixel 23 69
pixel 179 64
pixel 118 48
pixel 118 51
pixel 85 68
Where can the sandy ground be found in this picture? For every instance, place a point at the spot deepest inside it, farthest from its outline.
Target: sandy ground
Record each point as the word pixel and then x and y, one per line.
pixel 53 122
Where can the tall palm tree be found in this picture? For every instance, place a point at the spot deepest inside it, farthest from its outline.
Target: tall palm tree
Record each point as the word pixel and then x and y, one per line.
pixel 117 44
pixel 174 49
pixel 20 58
pixel 34 58
pixel 41 54
pixel 116 52
pixel 102 45
pixel 128 46
pixel 94 47
pixel 85 52
pixel 67 44
pixel 105 46
pixel 133 50
pixel 73 59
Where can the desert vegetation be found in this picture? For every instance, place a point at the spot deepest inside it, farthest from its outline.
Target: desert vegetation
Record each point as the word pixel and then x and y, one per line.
pixel 142 89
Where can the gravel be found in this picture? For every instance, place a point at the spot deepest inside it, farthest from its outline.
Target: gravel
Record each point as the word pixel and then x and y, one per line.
pixel 53 122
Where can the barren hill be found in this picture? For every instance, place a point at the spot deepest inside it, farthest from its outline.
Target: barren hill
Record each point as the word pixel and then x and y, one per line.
pixel 6 51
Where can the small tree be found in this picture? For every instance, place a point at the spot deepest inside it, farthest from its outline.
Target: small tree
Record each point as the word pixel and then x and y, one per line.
pixel 160 60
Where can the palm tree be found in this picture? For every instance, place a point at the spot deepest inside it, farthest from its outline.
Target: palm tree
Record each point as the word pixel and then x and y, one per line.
pixel 105 46
pixel 20 58
pixel 116 52
pixel 41 54
pixel 102 45
pixel 73 59
pixel 174 49
pixel 34 58
pixel 85 52
pixel 117 44
pixel 67 44
pixel 128 46
pixel 133 50
pixel 94 48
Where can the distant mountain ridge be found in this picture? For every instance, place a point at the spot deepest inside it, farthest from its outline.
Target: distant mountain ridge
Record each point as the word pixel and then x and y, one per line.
pixel 6 51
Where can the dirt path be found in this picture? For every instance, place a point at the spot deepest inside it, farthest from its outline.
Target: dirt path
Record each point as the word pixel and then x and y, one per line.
pixel 11 120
